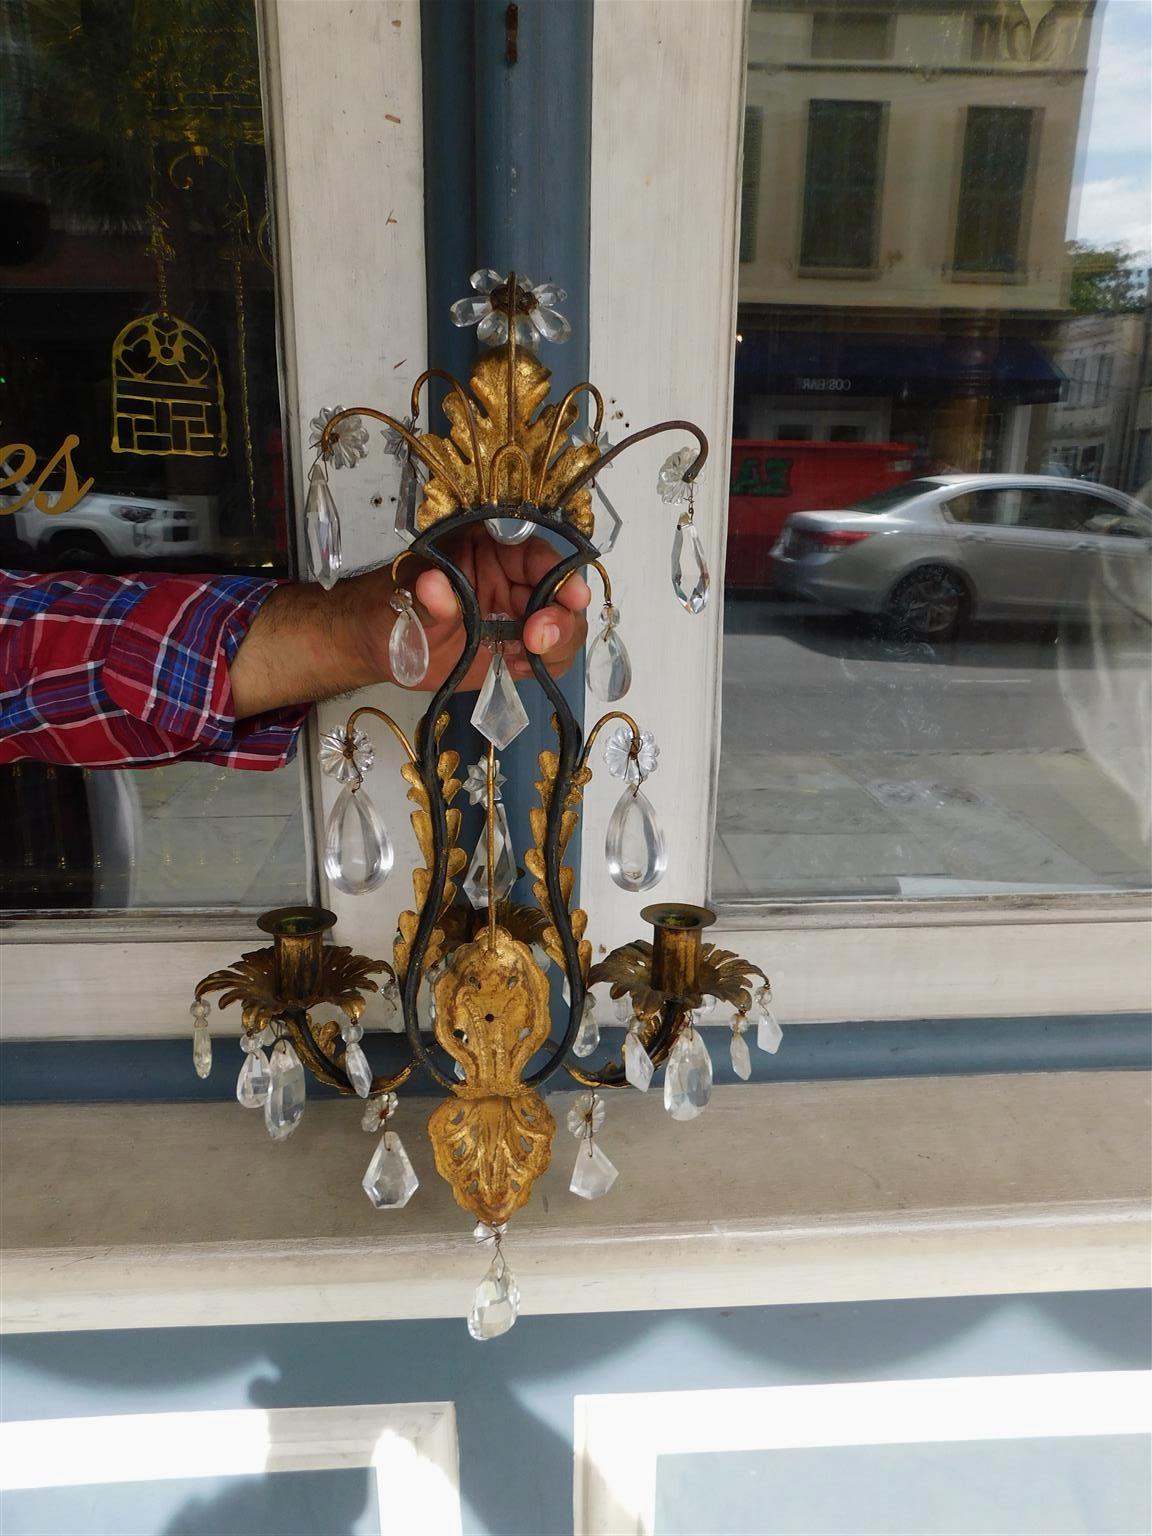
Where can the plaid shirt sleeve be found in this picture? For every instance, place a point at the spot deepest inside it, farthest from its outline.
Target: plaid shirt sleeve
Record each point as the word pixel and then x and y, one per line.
pixel 131 671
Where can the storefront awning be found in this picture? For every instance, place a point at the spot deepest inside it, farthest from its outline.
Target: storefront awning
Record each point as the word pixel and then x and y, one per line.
pixel 841 363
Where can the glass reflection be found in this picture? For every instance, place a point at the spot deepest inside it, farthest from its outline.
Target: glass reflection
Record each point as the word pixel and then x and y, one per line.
pixel 940 545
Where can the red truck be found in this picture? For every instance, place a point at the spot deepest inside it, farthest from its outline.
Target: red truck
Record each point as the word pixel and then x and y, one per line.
pixel 772 479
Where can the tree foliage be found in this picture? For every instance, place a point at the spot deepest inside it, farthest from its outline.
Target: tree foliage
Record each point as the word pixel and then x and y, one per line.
pixel 1106 279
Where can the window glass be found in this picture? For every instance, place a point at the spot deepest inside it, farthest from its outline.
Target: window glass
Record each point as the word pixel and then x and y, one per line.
pixel 138 358
pixel 935 695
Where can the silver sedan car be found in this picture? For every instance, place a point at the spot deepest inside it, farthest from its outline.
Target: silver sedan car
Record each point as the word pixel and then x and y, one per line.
pixel 932 552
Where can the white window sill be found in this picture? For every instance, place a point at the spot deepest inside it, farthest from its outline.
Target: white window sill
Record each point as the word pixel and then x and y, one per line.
pixel 125 1216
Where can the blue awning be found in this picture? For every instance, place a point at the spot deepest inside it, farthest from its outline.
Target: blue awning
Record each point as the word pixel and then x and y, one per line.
pixel 842 363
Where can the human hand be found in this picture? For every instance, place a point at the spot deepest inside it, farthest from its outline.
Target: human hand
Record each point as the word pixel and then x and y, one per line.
pixel 503 576
pixel 306 644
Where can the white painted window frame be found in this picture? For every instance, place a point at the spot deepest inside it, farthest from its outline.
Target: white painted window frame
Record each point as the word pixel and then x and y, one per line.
pixel 346 152
pixel 668 103
pixel 411 1449
pixel 619 1438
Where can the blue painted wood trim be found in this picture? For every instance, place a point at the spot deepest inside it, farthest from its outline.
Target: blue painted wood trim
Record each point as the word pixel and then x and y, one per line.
pixel 507 176
pixel 90 1071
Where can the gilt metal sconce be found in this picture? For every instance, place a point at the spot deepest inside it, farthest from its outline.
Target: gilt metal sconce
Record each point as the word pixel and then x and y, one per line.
pixel 467 960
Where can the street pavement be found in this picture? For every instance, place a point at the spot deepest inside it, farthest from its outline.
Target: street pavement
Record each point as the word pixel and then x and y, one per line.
pixel 855 763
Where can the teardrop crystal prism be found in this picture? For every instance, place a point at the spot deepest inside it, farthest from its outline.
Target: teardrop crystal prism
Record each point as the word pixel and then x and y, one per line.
pixel 499 715
pixel 692 587
pixel 496 1304
pixel 740 1055
pixel 356 1067
pixel 634 847
pixel 588 1035
pixel 608 668
pixel 254 1081
pixel 503 867
pixel 201 1049
pixel 638 1065
pixel 768 1031
pixel 404 522
pixel 284 1105
pixel 357 849
pixel 390 1181
pixel 688 1077
pixel 593 1175
pixel 509 530
pixel 322 529
pixel 408 649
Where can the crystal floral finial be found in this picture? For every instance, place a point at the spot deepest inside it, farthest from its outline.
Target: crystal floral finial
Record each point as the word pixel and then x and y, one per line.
pixel 476 783
pixel 347 443
pixel 670 482
pixel 346 756
pixel 536 313
pixel 620 762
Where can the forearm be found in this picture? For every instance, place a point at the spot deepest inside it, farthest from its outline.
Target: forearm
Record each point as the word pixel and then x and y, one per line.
pixel 307 644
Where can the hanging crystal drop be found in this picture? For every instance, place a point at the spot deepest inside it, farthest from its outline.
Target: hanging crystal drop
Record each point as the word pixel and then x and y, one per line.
pixel 638 1065
pixel 608 668
pixel 696 599
pixel 284 1105
pixel 740 1055
pixel 357 1070
pixel 625 1009
pixel 504 869
pixel 255 1080
pixel 357 849
pixel 509 530
pixel 768 1031
pixel 201 1049
pixel 407 644
pixel 613 522
pixel 588 1035
pixel 634 846
pixel 390 1181
pixel 404 522
pixel 499 715
pixel 593 1174
pixel 496 1304
pixel 322 528
pixel 688 1077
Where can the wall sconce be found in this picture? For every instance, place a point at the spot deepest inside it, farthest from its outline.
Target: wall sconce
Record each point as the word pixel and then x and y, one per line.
pixel 467 961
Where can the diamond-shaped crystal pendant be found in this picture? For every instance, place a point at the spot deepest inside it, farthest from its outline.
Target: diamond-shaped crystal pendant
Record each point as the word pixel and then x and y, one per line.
pixel 593 1174
pixel 357 1069
pixel 201 1049
pixel 255 1080
pixel 688 1077
pixel 404 522
pixel 496 1304
pixel 499 714
pixel 638 1065
pixel 588 1035
pixel 634 846
pixel 407 644
pixel 608 668
pixel 357 849
pixel 503 867
pixel 740 1055
pixel 390 1181
pixel 691 586
pixel 322 528
pixel 768 1031
pixel 611 524
pixel 284 1105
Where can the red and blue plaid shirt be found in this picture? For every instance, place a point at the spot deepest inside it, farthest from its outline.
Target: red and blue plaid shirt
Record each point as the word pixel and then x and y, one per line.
pixel 131 671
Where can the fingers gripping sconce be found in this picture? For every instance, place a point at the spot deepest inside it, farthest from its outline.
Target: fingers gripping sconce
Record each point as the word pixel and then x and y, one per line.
pixel 469 966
